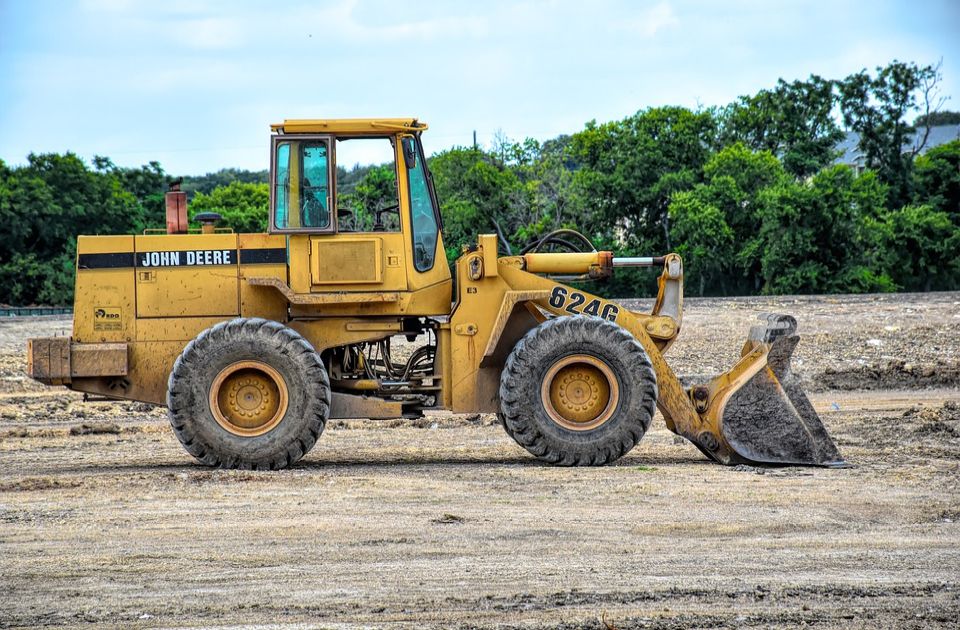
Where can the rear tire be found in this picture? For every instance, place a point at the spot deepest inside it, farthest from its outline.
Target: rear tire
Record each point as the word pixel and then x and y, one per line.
pixel 577 391
pixel 248 393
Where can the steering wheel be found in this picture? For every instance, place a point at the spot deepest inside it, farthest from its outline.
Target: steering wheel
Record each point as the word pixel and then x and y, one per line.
pixel 378 225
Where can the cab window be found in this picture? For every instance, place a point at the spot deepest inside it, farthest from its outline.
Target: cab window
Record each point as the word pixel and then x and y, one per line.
pixel 302 185
pixel 422 211
pixel 367 198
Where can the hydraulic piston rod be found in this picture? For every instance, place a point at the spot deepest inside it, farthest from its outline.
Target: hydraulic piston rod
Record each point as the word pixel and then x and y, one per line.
pixel 641 261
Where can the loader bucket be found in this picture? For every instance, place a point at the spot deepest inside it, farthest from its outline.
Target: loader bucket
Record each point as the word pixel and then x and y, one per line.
pixel 765 417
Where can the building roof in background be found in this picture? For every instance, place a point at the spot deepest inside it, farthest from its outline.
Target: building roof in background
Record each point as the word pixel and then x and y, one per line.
pixel 940 134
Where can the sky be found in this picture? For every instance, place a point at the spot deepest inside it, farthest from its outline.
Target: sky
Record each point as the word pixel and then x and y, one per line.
pixel 195 84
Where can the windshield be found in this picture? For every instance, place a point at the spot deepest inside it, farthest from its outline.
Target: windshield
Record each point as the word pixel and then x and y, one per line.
pixel 423 213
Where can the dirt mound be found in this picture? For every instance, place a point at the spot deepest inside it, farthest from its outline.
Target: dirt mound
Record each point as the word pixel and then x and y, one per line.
pixel 95 428
pixel 923 432
pixel 890 374
pixel 935 423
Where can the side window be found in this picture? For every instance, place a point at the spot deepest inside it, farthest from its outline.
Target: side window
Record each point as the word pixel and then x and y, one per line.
pixel 422 212
pixel 282 186
pixel 367 199
pixel 301 185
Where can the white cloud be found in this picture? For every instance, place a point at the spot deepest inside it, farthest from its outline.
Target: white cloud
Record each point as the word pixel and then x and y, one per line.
pixel 168 7
pixel 107 6
pixel 209 33
pixel 195 25
pixel 191 76
pixel 652 21
pixel 341 21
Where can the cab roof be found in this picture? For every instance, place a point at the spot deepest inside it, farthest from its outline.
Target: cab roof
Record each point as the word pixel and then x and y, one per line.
pixel 358 126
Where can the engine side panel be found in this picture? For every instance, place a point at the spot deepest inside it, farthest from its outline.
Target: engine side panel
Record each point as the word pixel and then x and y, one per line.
pixel 156 293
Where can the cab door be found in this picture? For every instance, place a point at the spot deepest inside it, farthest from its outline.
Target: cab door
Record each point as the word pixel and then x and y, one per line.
pixel 421 214
pixel 338 199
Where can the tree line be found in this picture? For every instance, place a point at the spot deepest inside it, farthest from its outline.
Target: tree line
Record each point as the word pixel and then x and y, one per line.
pixel 749 193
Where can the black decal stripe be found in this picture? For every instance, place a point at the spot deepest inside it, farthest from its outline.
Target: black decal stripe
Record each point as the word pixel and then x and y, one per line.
pixel 118 260
pixel 263 256
pixel 105 261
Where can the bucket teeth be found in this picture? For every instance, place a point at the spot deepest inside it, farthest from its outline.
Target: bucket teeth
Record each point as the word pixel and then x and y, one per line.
pixel 775 325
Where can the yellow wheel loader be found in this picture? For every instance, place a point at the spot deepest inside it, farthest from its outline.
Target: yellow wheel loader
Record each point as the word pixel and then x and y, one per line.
pixel 347 308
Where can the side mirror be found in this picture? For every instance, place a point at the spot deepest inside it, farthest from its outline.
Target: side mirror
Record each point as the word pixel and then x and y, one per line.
pixel 409 152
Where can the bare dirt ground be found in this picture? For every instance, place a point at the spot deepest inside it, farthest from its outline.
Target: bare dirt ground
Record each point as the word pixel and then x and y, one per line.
pixel 445 522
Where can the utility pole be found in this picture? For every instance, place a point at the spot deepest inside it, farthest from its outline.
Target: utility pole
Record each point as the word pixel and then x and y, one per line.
pixel 474 139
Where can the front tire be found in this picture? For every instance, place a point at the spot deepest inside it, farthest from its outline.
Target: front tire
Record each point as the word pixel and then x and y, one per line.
pixel 248 393
pixel 577 391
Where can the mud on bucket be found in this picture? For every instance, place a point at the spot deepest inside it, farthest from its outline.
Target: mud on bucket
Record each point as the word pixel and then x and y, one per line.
pixel 769 419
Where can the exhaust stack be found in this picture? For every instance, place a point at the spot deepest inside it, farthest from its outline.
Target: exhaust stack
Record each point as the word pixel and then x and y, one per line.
pixel 176 201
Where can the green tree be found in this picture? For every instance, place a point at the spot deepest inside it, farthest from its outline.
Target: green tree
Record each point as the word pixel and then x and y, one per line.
pixel 726 207
pixel 793 121
pixel 704 238
pixel 194 184
pixel 377 190
pixel 478 194
pixel 936 178
pixel 148 184
pixel 876 107
pixel 347 180
pixel 935 119
pixel 628 170
pixel 242 206
pixel 822 235
pixel 923 249
pixel 545 200
pixel 45 204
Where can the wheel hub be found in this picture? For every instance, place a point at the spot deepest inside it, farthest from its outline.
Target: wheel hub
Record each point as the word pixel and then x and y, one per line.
pixel 580 392
pixel 248 398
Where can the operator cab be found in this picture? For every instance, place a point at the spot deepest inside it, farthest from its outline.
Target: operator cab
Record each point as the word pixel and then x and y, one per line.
pixel 357 204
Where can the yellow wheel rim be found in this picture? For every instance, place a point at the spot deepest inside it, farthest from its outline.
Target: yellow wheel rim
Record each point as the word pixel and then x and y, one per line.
pixel 248 398
pixel 580 392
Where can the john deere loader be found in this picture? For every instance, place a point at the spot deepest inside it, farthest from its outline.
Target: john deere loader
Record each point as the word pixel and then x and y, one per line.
pixel 347 308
